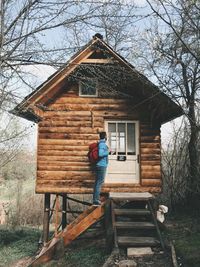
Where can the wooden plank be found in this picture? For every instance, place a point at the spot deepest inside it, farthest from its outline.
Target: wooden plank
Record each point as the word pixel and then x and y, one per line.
pixel 98 61
pixel 42 141
pixel 131 196
pixel 79 228
pixel 134 225
pixel 131 212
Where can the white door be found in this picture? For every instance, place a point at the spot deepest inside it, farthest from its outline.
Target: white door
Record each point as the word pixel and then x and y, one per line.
pixel 123 142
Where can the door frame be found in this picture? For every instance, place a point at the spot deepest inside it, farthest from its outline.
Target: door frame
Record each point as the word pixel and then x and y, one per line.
pixel 137 142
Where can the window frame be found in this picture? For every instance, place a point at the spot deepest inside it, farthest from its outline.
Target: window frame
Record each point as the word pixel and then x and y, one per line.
pixel 85 80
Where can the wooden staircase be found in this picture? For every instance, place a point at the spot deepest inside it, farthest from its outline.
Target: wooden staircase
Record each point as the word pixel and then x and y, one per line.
pixel 71 232
pixel 134 224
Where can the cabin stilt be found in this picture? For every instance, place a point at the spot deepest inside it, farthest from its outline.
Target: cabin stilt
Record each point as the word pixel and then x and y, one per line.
pixel 47 201
pixel 64 211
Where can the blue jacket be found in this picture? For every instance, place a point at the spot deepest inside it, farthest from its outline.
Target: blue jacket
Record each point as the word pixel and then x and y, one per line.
pixel 103 154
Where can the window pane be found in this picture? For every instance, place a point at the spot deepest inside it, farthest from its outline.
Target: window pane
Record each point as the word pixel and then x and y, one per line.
pixel 121 139
pixel 88 87
pixel 112 138
pixel 131 139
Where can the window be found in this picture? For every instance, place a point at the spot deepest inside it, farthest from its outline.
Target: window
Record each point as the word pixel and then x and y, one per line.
pixel 121 138
pixel 88 87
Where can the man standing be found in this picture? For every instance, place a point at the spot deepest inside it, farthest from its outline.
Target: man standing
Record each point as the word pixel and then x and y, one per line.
pixel 100 168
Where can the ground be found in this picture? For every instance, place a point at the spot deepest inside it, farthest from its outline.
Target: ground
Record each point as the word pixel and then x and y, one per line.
pixel 18 246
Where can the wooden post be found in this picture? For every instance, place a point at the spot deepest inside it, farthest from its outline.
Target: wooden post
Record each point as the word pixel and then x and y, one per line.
pixel 47 198
pixel 108 226
pixel 64 211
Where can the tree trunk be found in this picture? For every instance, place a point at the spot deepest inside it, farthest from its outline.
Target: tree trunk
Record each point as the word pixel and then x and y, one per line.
pixel 194 181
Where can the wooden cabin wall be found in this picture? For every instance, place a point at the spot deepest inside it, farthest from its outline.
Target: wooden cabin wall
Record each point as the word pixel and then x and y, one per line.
pixel 69 125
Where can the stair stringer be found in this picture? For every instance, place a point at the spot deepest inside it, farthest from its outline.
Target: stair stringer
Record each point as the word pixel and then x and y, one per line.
pixel 71 232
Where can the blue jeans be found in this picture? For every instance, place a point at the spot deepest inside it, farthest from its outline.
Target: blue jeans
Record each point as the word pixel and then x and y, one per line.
pixel 100 176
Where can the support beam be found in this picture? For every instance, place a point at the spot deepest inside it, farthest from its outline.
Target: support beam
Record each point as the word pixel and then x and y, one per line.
pixel 64 211
pixel 47 198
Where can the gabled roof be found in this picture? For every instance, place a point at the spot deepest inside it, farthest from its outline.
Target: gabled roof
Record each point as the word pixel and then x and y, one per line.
pixel 31 107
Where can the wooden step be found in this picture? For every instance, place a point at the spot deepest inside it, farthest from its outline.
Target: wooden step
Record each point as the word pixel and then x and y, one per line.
pixel 132 196
pixel 131 212
pixel 71 232
pixel 134 225
pixel 127 241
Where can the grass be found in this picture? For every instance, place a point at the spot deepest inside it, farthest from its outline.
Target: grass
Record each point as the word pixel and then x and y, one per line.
pixel 185 234
pixel 87 257
pixel 17 244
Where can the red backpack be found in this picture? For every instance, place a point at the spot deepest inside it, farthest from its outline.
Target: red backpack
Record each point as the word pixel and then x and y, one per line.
pixel 93 153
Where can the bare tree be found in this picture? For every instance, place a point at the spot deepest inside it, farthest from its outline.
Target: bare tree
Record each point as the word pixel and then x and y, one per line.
pixel 27 28
pixel 173 58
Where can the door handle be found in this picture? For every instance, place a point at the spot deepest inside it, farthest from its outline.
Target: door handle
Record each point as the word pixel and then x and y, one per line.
pixel 138 158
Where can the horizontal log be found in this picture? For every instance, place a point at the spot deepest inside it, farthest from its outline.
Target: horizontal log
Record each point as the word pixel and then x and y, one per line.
pixel 75 136
pixel 150 145
pixel 63 163
pixel 85 190
pixel 41 167
pixel 60 183
pixel 150 139
pixel 148 151
pixel 111 114
pixel 149 168
pixel 86 130
pixel 85 107
pixel 62 147
pixel 147 132
pixel 150 175
pixel 64 175
pixel 151 182
pixel 150 162
pixel 42 141
pixel 62 153
pixel 50 114
pixel 149 157
pixel 65 123
pixel 74 118
pixel 62 158
pixel 148 126
pixel 81 100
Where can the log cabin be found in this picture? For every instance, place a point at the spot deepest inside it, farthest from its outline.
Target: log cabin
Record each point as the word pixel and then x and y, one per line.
pixel 98 90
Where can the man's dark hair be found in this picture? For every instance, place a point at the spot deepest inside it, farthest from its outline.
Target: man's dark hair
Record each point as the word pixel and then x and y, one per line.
pixel 102 135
